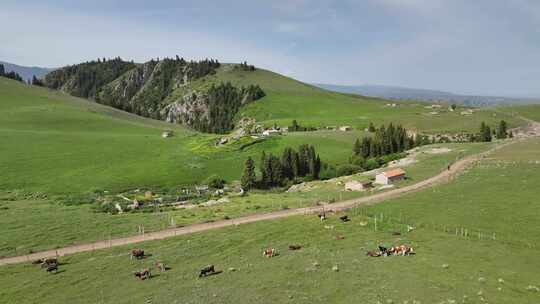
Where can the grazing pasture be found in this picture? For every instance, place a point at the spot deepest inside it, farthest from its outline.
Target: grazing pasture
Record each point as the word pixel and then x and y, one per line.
pixel 494 260
pixel 23 219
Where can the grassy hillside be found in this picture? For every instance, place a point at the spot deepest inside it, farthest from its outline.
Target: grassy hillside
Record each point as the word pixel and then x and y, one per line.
pixel 22 217
pixel 495 262
pixel 57 143
pixel 527 111
pixel 288 99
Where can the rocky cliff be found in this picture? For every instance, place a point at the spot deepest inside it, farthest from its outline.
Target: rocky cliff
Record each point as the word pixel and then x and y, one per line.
pixel 159 89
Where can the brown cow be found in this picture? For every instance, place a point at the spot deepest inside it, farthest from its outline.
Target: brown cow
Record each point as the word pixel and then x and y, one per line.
pixel 137 253
pixel 269 252
pixel 143 274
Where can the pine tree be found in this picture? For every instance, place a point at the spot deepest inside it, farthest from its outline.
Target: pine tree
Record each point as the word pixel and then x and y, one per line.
pixel 2 70
pixel 249 177
pixel 287 163
pixel 357 149
pixel 487 134
pixel 371 127
pixel 316 168
pixel 502 130
pixel 263 169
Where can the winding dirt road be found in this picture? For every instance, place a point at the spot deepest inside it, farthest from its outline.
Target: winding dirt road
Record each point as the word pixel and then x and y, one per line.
pixel 442 177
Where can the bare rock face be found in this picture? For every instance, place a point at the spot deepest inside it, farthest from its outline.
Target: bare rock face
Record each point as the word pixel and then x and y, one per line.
pixel 190 110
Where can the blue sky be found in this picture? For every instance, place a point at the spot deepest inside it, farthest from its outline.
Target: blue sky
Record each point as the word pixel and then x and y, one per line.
pixel 489 47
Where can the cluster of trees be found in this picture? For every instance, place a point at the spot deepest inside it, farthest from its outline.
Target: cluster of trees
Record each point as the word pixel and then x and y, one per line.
pixel 12 75
pixel 278 171
pixel 386 144
pixel 384 141
pixel 245 67
pixel 224 100
pixel 86 79
pixel 295 127
pixel 486 134
pixel 199 69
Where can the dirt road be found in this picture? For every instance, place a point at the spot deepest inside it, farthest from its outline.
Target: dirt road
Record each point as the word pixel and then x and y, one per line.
pixel 442 177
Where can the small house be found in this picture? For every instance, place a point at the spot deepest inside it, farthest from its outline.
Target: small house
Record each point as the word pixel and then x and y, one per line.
pixel 345 128
pixel 389 177
pixel 358 185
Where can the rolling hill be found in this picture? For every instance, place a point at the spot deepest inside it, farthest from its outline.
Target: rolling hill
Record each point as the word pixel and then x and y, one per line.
pixel 58 143
pixel 193 93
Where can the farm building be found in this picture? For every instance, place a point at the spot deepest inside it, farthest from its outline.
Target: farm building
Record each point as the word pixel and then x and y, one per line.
pixel 388 177
pixel 358 185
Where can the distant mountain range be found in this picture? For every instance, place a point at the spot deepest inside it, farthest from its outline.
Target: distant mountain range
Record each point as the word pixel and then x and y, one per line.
pixel 26 72
pixel 400 93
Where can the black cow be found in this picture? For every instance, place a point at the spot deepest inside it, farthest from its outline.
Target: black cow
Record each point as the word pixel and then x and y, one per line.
pixel 207 270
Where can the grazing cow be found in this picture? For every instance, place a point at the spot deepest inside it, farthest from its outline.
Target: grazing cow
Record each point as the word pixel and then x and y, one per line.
pixel 339 237
pixel 373 254
pixel 161 266
pixel 322 216
pixel 401 250
pixel 295 247
pixel 52 267
pixel 270 252
pixel 37 262
pixel 206 270
pixel 49 261
pixel 344 218
pixel 137 253
pixel 143 274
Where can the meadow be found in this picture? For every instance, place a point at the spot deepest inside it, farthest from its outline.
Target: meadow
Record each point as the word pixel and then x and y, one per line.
pixel 55 143
pixel 24 218
pixel 494 262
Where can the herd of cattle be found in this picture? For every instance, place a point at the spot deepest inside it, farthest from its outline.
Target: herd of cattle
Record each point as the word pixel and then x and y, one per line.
pixel 51 264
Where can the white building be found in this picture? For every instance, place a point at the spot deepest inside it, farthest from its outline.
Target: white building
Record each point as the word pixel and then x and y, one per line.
pixel 345 128
pixel 388 177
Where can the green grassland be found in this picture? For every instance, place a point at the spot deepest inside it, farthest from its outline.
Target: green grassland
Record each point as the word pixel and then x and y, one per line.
pixel 288 99
pixel 59 144
pixel 495 202
pixel 528 111
pixel 22 219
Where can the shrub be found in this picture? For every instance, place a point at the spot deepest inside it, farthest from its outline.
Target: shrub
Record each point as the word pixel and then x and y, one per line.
pixel 214 181
pixel 348 169
pixel 371 163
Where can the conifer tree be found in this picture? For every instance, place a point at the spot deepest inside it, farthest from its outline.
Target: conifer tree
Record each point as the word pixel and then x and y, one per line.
pixel 249 177
pixel 357 149
pixel 502 130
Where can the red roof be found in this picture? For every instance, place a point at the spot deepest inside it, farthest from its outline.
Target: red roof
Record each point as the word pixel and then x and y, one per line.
pixel 394 173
